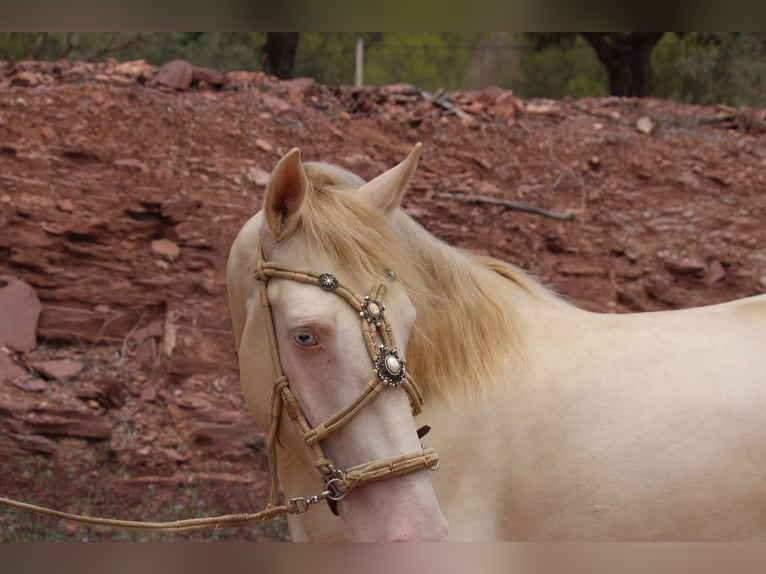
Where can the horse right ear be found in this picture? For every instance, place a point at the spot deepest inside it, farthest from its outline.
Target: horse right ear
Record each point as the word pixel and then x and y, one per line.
pixel 387 189
pixel 285 194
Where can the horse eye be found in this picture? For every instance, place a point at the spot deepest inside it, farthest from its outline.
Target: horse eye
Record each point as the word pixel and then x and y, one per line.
pixel 304 339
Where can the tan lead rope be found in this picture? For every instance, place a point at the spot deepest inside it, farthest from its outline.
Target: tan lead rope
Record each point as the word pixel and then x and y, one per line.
pixel 224 521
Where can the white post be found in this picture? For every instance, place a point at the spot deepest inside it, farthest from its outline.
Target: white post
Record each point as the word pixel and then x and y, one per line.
pixel 359 75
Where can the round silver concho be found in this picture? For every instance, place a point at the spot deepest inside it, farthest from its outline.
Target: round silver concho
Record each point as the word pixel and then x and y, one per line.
pixel 372 310
pixel 389 366
pixel 327 282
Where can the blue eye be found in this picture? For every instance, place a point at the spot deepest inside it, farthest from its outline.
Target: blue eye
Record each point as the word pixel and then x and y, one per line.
pixel 305 339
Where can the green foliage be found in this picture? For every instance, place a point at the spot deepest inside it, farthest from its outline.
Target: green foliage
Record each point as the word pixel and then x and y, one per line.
pixel 555 71
pixel 429 60
pixel 708 69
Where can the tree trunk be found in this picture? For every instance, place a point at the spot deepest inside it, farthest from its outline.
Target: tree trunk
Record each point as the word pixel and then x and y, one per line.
pixel 278 53
pixel 627 59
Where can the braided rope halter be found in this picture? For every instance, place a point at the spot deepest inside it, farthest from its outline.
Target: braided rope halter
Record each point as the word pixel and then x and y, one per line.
pixel 389 371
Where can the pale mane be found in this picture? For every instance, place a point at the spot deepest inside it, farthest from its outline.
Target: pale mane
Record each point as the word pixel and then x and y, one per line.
pixel 461 328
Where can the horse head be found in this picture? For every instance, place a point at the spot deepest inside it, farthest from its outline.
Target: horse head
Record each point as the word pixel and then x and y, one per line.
pixel 337 352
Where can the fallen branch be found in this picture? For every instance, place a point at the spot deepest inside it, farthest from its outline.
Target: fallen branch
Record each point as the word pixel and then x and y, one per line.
pixel 508 204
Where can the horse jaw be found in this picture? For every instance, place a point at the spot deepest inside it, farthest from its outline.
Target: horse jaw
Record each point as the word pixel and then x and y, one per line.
pixel 402 509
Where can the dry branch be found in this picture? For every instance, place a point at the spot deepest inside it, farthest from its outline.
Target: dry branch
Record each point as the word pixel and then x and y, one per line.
pixel 508 204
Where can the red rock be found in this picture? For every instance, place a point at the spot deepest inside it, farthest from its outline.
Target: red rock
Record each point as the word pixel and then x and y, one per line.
pixel 107 393
pixel 47 132
pixel 149 394
pixel 68 423
pixel 65 205
pixel 684 266
pixel 264 145
pixel 35 443
pixel 274 104
pixel 58 369
pixel 258 176
pixel 506 107
pixel 177 74
pixel 28 79
pixel 20 309
pixel 31 385
pixel 298 88
pixel 8 369
pixel 60 323
pixel 165 249
pixel 209 76
pixel 717 271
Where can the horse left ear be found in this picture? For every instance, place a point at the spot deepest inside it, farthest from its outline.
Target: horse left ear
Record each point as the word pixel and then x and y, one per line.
pixel 387 189
pixel 285 194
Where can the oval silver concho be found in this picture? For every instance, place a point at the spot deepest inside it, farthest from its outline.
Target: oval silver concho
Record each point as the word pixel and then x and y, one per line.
pixel 372 310
pixel 389 366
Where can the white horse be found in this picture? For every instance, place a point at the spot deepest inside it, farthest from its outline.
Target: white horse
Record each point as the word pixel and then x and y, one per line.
pixel 550 422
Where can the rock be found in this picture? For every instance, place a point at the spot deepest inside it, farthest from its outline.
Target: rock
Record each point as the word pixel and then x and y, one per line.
pixel 506 106
pixel 645 125
pixel 685 266
pixel 209 76
pixel 31 385
pixel 20 309
pixel 132 69
pixel 177 74
pixel 107 393
pixel 47 132
pixel 716 271
pixel 25 417
pixel 165 249
pixel 68 423
pixel 763 281
pixel 35 443
pixel 298 88
pixel 64 323
pixel 544 109
pixel 258 176
pixel 178 210
pixel 274 104
pixel 8 369
pixel 27 79
pixel 65 205
pixel 149 394
pixel 58 369
pixel 264 145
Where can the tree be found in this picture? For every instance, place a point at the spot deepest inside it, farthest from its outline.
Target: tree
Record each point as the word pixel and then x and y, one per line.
pixel 278 53
pixel 626 56
pixel 627 59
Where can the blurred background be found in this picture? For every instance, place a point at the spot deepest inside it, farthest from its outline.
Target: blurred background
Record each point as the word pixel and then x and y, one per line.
pixel 692 67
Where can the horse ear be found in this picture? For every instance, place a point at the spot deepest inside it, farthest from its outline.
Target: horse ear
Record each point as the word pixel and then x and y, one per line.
pixel 387 189
pixel 285 193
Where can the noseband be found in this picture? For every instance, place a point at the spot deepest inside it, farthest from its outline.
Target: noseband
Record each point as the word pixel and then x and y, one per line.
pixel 389 371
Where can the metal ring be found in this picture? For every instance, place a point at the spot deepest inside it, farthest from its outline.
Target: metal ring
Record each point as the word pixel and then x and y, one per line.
pixel 332 492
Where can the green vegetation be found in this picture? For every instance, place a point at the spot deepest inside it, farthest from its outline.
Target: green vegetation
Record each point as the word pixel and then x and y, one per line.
pixel 704 68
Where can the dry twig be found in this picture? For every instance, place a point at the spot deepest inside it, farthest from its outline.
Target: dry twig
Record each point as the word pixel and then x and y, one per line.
pixel 508 204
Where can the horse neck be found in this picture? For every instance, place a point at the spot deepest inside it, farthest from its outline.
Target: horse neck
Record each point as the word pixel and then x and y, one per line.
pixel 470 320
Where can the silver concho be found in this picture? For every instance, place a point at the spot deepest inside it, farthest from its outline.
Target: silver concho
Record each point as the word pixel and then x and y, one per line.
pixel 372 310
pixel 389 366
pixel 327 282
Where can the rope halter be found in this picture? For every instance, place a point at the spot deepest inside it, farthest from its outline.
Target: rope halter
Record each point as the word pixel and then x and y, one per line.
pixel 389 370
